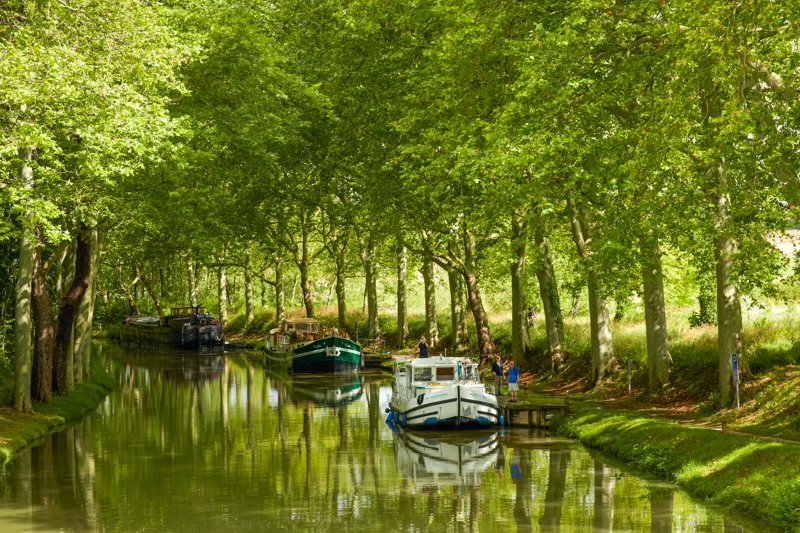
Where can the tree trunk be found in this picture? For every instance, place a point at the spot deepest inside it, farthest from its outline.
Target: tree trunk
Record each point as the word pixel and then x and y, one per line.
pixel 658 356
pixel 729 311
pixel 519 247
pixel 222 290
pixel 402 310
pixel 62 372
pixel 250 314
pixel 85 314
pixel 599 312
pixel 126 289
pixel 548 290
pixel 341 292
pixel 458 317
pixel 192 281
pixel 42 381
pixel 429 280
pixel 280 291
pixel 149 285
pixel 370 285
pixel 485 343
pixel 305 281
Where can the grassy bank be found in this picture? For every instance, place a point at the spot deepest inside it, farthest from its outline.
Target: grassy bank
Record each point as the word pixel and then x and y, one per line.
pixel 21 429
pixel 753 476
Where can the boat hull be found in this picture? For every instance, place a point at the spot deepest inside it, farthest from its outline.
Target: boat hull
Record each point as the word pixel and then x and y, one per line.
pixel 335 355
pixel 327 355
pixel 176 334
pixel 447 407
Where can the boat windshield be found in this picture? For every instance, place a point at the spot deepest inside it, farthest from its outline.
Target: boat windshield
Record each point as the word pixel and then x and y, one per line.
pixel 422 374
pixel 445 373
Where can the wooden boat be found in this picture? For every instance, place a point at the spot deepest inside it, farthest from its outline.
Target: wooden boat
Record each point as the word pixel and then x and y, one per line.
pixel 300 345
pixel 445 459
pixel 440 392
pixel 184 327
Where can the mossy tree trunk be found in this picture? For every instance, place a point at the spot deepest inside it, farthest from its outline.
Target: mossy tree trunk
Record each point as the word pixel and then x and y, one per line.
pixel 458 316
pixel 659 360
pixel 729 310
pixel 84 317
pixel 64 344
pixel 429 281
pixel 548 291
pixel 249 302
pixel 599 311
pixel 519 247
pixel 402 309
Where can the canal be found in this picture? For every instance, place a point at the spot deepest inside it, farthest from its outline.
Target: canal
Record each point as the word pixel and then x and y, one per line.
pixel 206 442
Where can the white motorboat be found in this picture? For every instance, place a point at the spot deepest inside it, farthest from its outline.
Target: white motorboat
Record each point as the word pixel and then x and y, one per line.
pixel 436 392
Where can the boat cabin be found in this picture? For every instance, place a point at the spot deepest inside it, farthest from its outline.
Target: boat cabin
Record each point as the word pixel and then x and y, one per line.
pixel 415 375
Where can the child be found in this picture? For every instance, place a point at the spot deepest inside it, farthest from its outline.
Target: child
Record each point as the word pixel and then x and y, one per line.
pixel 513 376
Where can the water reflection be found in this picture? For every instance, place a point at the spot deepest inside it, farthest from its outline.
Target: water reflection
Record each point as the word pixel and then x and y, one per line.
pixel 325 390
pixel 218 444
pixel 445 458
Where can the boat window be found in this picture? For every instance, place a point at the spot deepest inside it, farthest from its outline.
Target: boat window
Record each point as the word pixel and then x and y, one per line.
pixel 422 374
pixel 445 373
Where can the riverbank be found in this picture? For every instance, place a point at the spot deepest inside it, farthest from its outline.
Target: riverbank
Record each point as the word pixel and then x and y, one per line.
pixel 18 430
pixel 746 460
pixel 759 477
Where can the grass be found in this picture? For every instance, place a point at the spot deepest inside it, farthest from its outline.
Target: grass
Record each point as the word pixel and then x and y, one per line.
pixel 757 477
pixel 22 429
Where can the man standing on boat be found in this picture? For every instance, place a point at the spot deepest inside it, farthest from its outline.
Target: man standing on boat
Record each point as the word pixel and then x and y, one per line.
pixel 422 348
pixel 497 370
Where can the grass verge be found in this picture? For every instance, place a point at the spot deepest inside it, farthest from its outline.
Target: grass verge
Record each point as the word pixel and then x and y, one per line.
pixel 757 477
pixel 18 430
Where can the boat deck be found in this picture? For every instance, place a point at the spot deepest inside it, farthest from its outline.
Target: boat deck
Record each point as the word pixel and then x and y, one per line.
pixel 535 413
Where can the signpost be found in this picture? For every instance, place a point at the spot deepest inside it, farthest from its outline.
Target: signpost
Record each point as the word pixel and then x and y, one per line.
pixel 735 375
pixel 629 376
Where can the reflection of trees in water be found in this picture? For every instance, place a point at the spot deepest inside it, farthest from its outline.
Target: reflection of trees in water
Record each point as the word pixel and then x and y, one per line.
pixel 661 503
pixel 603 496
pixel 520 460
pixel 556 481
pixel 230 456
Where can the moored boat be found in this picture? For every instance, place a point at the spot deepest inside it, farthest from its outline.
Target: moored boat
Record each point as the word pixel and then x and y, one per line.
pixel 440 392
pixel 184 327
pixel 301 345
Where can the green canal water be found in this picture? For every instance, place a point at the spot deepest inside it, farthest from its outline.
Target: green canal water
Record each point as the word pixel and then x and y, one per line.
pixel 202 442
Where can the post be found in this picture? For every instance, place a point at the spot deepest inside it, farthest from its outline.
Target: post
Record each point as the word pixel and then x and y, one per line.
pixel 735 376
pixel 629 376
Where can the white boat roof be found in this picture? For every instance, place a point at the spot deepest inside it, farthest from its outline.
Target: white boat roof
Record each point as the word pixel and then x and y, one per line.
pixel 301 321
pixel 436 360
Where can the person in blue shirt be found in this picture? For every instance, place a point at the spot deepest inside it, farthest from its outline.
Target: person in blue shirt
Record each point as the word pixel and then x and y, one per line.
pixel 422 347
pixel 513 376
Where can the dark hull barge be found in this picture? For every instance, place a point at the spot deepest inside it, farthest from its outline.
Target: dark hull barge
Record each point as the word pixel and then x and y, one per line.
pixel 184 327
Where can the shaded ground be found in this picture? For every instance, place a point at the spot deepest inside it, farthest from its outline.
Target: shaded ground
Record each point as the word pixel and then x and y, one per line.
pixel 770 401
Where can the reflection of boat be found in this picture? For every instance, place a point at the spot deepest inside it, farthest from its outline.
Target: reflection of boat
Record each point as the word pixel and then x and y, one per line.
pixel 440 392
pixel 177 370
pixel 299 344
pixel 329 391
pixel 339 392
pixel 183 327
pixel 452 458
